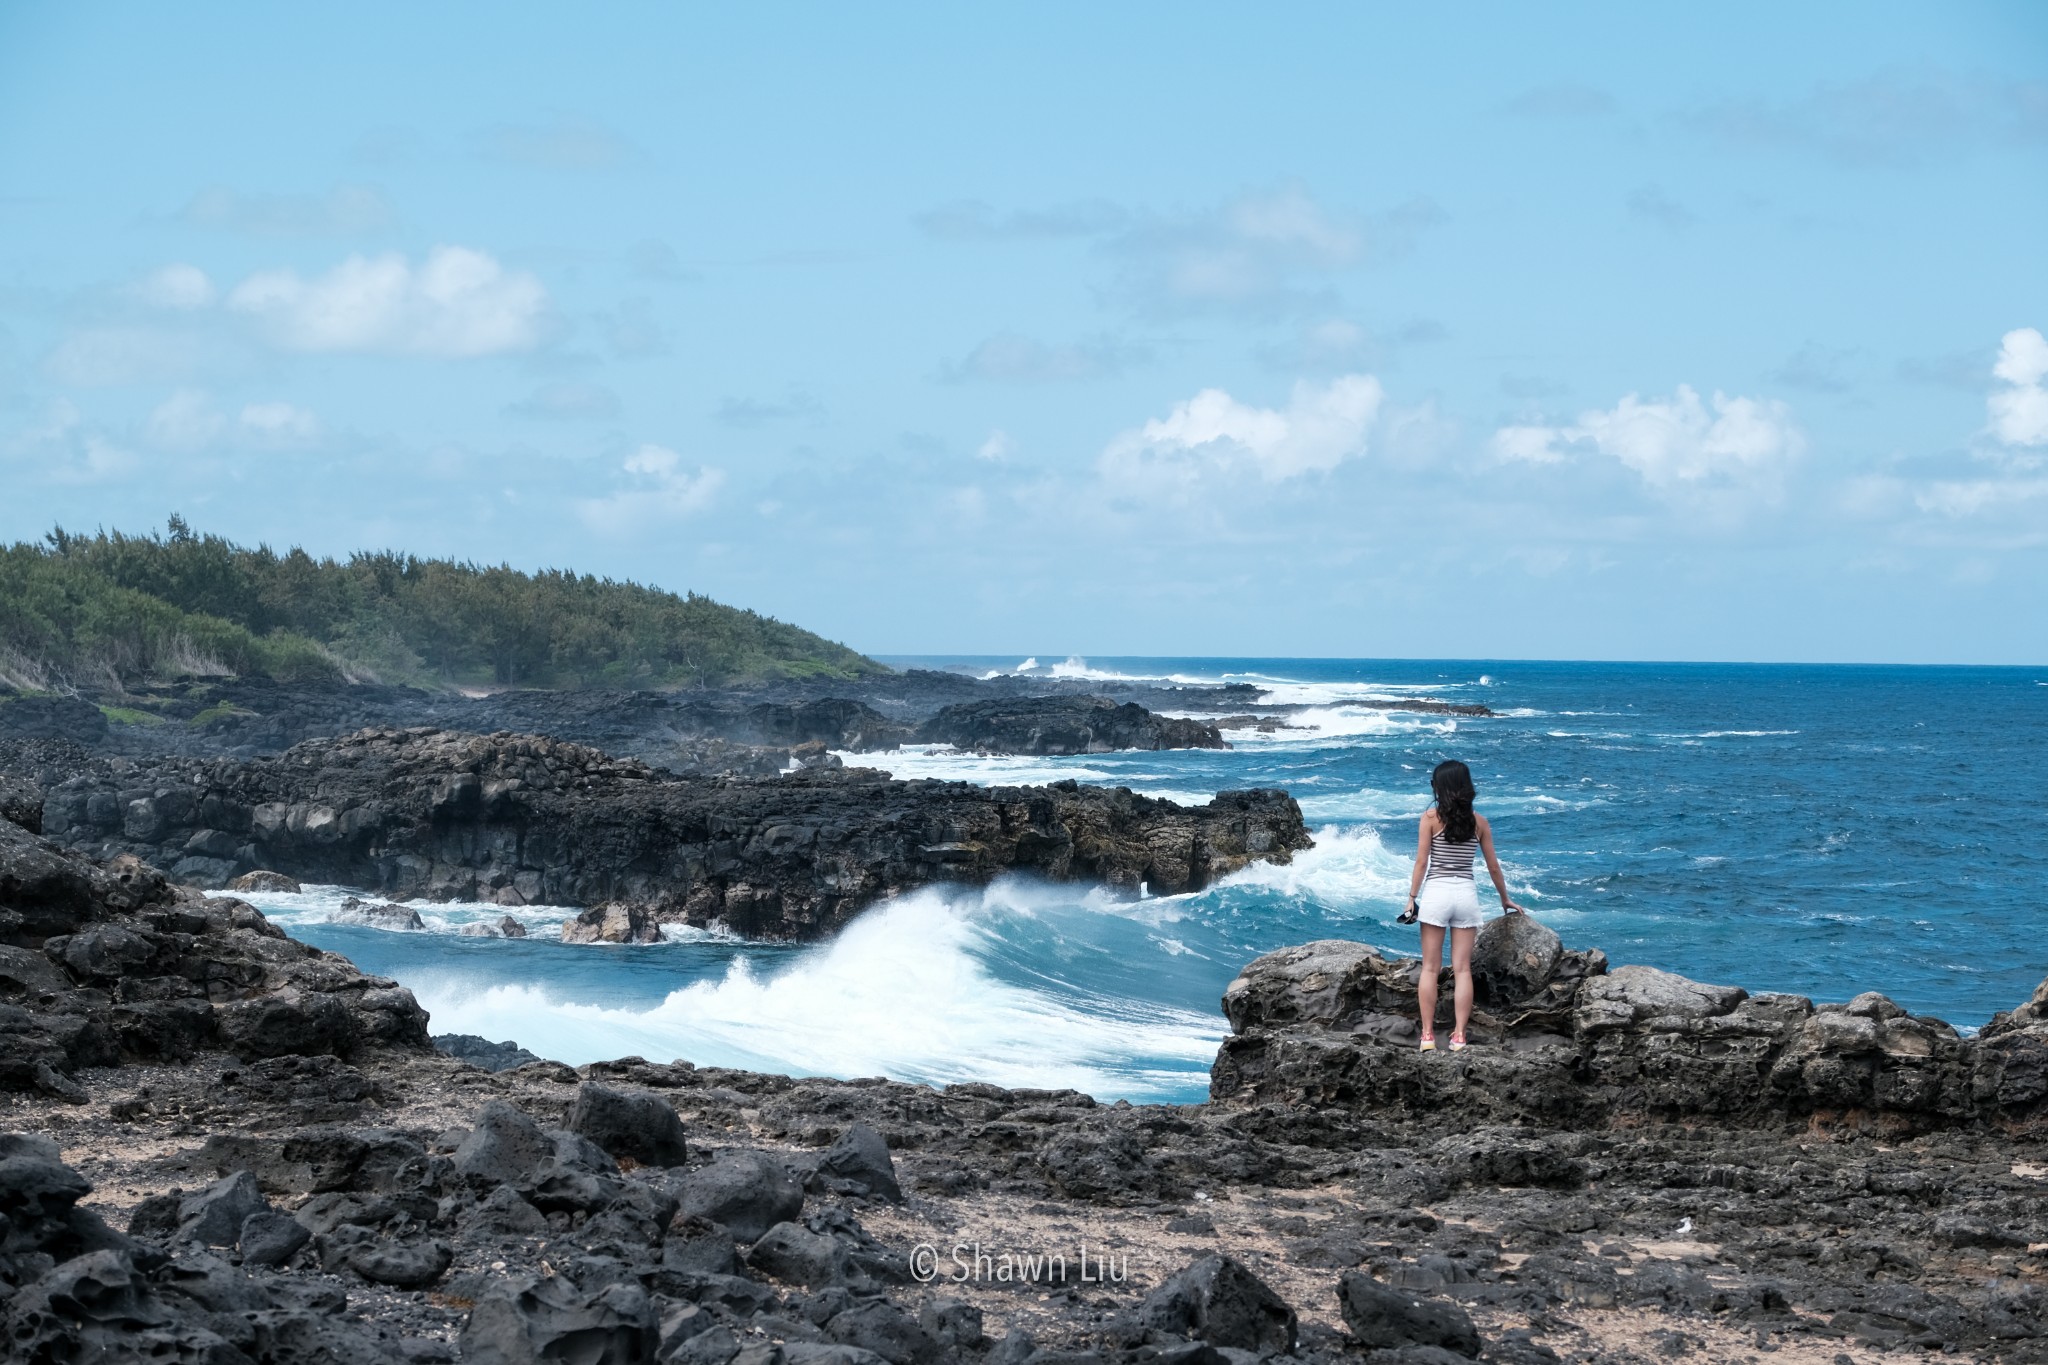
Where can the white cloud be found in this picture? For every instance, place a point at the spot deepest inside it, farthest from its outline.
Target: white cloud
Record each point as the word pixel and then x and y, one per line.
pixel 1321 426
pixel 996 448
pixel 179 286
pixel 187 420
pixel 659 489
pixel 279 423
pixel 2019 409
pixel 1972 497
pixel 457 302
pixel 1674 444
pixel 1258 254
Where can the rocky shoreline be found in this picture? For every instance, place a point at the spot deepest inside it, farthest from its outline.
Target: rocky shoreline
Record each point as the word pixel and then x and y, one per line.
pixel 523 819
pixel 756 731
pixel 231 1147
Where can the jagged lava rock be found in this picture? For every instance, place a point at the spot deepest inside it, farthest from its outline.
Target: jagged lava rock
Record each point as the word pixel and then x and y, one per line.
pixel 615 922
pixel 378 915
pixel 263 880
pixel 633 1124
pixel 1218 1301
pixel 446 816
pixel 116 965
pixel 1063 725
pixel 1563 1041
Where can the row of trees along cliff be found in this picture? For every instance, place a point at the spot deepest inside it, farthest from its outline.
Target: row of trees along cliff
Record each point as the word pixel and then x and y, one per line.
pixel 108 609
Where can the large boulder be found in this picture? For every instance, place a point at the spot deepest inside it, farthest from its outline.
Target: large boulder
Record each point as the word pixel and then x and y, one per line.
pixel 529 1321
pixel 1514 958
pixel 1217 1300
pixel 35 1184
pixel 796 1255
pixel 504 1148
pixel 613 922
pixel 1382 1317
pixel 1328 982
pixel 215 1215
pixel 748 1192
pixel 1631 995
pixel 263 880
pixel 290 1021
pixel 630 1123
pixel 858 1163
pixel 378 915
pixel 879 1326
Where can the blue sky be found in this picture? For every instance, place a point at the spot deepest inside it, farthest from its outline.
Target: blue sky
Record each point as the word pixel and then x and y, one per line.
pixel 1560 331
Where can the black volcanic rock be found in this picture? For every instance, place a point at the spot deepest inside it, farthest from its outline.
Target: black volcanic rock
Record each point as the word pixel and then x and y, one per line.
pixel 1062 725
pixel 1562 1040
pixel 62 718
pixel 510 818
pixel 482 1051
pixel 101 965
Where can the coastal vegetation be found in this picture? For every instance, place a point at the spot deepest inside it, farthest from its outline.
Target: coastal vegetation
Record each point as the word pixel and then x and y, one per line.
pixel 111 609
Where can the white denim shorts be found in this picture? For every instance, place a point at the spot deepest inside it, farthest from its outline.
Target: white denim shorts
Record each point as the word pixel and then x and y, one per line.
pixel 1450 903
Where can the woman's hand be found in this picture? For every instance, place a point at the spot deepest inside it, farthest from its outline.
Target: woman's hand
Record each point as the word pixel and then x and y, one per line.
pixel 1508 907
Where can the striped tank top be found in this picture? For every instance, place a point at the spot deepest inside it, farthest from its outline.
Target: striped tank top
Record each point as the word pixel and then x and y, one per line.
pixel 1449 859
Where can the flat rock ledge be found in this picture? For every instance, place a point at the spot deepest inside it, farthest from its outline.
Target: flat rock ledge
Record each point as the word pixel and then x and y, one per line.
pixel 1562 1040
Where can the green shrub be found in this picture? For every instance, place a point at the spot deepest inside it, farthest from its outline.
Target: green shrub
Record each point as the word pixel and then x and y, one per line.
pixel 116 608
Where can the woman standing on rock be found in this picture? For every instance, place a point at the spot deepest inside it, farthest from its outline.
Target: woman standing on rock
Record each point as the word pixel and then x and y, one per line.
pixel 1444 897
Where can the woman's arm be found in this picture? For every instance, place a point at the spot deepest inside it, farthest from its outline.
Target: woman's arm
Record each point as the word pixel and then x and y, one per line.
pixel 1424 828
pixel 1500 881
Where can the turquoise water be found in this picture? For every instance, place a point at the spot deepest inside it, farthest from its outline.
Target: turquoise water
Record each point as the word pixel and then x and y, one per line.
pixel 1824 830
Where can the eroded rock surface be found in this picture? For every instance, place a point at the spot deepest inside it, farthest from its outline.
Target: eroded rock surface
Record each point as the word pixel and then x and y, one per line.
pixel 1063 725
pixel 1565 1041
pixel 105 965
pixel 525 819
pixel 376 1202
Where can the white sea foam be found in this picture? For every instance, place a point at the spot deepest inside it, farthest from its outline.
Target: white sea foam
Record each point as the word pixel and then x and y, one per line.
pixel 1322 726
pixel 1349 871
pixel 903 991
pixel 948 764
pixel 321 904
pixel 1373 804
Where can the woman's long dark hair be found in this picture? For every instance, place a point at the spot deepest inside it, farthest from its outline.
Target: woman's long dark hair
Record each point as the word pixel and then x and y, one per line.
pixel 1452 783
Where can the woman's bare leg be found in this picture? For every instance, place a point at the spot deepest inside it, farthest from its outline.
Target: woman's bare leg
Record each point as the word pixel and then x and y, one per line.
pixel 1425 983
pixel 1461 977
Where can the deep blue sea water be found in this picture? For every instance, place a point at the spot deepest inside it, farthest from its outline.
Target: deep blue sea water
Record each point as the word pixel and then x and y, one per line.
pixel 1824 830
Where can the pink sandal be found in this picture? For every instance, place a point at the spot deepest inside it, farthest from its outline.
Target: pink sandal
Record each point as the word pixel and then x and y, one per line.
pixel 1457 1043
pixel 1429 1042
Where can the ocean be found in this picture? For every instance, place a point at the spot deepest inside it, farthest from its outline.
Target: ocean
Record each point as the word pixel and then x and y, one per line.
pixel 1823 830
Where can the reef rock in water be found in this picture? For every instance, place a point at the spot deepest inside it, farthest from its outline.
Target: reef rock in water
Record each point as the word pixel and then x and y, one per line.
pixel 1063 725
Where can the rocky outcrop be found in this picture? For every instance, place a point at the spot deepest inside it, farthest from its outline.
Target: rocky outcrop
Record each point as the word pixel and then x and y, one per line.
pixel 106 965
pixel 612 923
pixel 403 1205
pixel 1564 1041
pixel 72 719
pixel 524 819
pixel 1062 725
